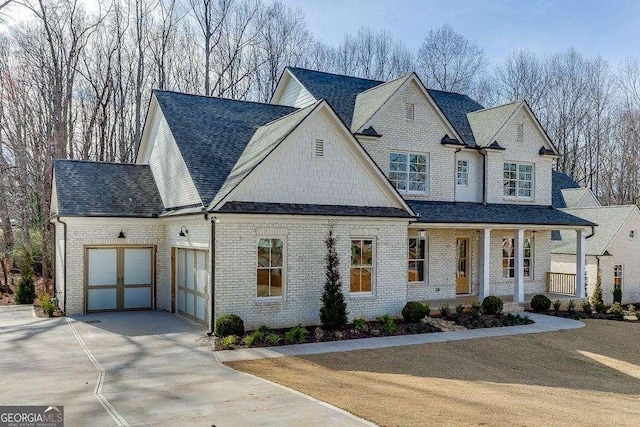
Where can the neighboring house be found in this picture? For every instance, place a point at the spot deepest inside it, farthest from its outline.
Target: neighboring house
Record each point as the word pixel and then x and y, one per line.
pixel 613 246
pixel 227 207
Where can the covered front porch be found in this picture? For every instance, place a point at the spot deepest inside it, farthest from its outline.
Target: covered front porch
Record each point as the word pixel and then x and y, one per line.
pixel 471 250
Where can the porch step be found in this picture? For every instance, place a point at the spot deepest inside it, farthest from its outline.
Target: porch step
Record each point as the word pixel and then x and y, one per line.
pixel 513 307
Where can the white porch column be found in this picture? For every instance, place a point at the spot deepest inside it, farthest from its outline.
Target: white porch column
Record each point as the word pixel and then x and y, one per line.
pixel 580 263
pixel 485 265
pixel 518 283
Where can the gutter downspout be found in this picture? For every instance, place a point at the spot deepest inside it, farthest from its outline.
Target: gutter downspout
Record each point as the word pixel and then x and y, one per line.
pixel 212 263
pixel 484 176
pixel 64 267
pixel 455 174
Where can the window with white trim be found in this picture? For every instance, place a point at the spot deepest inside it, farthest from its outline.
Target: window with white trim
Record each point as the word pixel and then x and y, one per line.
pixel 462 173
pixel 417 259
pixel 517 180
pixel 270 268
pixel 362 266
pixel 617 276
pixel 509 258
pixel 410 112
pixel 408 172
pixel 519 132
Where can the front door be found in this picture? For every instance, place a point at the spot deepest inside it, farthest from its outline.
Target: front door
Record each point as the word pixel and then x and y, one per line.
pixel 462 266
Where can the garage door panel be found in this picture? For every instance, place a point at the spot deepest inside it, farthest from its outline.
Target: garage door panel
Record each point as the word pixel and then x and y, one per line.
pixel 137 297
pixel 182 301
pixel 102 265
pixel 192 277
pixel 200 308
pixel 137 266
pixel 102 299
pixel 190 270
pixel 201 272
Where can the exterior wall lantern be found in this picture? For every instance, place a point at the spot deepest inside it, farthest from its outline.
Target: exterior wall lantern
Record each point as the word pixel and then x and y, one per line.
pixel 183 231
pixel 422 234
pixel 121 235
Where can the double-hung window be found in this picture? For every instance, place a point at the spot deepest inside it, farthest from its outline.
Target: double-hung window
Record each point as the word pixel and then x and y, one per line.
pixel 362 267
pixel 408 172
pixel 270 268
pixel 517 180
pixel 509 258
pixel 417 260
pixel 462 173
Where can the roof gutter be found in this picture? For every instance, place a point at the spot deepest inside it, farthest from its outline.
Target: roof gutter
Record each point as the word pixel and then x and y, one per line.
pixel 64 266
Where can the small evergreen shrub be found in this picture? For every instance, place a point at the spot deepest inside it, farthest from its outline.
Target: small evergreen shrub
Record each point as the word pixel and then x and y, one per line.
pixel 414 311
pixel 540 303
pixel 459 309
pixel 597 300
pixel 359 324
pixel 476 308
pixel 228 341
pixel 556 306
pixel 638 314
pixel 229 324
pixel 333 313
pixel 571 307
pixel 248 340
pixel 387 323
pixel 586 307
pixel 273 338
pixel 617 294
pixel 616 311
pixel 297 334
pixel 26 291
pixel 492 305
pixel 445 310
pixel 44 301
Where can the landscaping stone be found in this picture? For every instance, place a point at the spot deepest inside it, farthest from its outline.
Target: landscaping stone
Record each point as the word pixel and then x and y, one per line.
pixel 444 325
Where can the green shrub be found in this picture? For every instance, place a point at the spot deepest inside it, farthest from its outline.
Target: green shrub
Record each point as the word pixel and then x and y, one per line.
pixel 571 307
pixel 228 341
pixel 445 310
pixel 318 334
pixel 248 340
pixel 333 313
pixel 26 291
pixel 359 324
pixel 556 305
pixel 492 305
pixel 597 300
pixel 459 309
pixel 600 307
pixel 273 338
pixel 586 307
pixel 44 301
pixel 297 334
pixel 229 324
pixel 387 323
pixel 476 308
pixel 638 314
pixel 414 311
pixel 540 303
pixel 617 294
pixel 616 311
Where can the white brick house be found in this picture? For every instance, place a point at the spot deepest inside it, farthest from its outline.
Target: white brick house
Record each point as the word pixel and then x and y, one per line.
pixel 225 211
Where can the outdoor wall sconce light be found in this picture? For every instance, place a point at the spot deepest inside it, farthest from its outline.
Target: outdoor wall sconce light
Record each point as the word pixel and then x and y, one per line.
pixel 183 231
pixel 121 235
pixel 423 234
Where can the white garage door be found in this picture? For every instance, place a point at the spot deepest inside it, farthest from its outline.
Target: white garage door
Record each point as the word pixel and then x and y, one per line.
pixel 192 283
pixel 119 279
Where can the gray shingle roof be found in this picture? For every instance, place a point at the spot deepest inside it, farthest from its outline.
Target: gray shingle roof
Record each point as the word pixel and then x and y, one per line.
pixel 455 107
pixel 306 209
pixel 105 189
pixel 486 123
pixel 212 133
pixel 340 91
pixel 609 219
pixel 498 213
pixel 263 142
pixel 560 181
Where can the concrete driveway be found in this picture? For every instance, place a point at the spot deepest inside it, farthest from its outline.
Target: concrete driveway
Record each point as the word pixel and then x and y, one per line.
pixel 139 368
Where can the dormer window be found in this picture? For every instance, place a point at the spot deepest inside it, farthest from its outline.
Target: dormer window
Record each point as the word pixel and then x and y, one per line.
pixel 410 112
pixel 519 132
pixel 319 148
pixel 463 173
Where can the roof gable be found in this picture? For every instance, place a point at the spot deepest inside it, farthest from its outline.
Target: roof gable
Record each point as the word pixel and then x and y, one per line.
pixel 212 133
pixel 561 181
pixel 486 124
pixel 455 108
pixel 279 166
pixel 122 190
pixel 371 100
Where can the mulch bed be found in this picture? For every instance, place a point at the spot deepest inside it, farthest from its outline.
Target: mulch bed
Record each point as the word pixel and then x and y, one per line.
pixel 7 293
pixel 627 316
pixel 374 329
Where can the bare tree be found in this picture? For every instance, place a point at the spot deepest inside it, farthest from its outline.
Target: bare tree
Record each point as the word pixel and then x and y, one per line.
pixel 449 61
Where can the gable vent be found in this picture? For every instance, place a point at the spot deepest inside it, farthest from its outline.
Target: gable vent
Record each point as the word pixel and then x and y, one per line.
pixel 410 110
pixel 319 148
pixel 519 132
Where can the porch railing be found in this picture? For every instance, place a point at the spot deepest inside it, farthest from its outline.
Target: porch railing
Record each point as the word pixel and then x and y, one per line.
pixel 561 283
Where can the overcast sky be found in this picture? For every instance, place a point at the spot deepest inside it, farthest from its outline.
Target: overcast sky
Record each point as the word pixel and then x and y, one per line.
pixel 608 28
